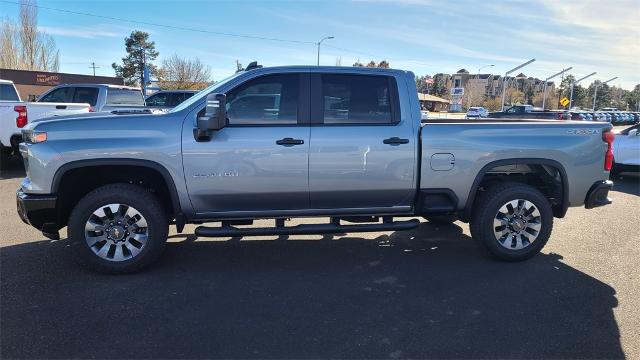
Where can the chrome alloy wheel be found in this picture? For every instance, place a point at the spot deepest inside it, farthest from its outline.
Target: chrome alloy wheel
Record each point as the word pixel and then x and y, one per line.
pixel 116 232
pixel 517 224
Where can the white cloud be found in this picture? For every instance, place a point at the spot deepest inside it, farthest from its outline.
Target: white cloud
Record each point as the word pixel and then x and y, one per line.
pixel 78 32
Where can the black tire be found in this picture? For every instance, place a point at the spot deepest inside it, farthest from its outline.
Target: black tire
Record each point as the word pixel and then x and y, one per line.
pixel 441 219
pixel 487 206
pixel 146 203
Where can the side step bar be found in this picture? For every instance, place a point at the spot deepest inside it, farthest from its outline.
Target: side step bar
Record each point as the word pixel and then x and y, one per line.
pixel 305 229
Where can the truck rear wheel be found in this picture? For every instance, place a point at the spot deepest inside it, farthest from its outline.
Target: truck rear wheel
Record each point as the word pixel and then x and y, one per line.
pixel 512 221
pixel 118 228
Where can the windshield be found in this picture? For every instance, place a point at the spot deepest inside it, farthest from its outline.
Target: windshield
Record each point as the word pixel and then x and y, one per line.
pixel 117 96
pixel 202 94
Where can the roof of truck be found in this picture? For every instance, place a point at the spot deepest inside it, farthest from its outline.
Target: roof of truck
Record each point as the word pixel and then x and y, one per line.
pixel 105 85
pixel 2 81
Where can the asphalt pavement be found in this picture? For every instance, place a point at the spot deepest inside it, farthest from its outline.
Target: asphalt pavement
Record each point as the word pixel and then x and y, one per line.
pixel 418 294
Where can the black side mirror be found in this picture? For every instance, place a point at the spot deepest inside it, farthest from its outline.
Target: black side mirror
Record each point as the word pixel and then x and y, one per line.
pixel 215 117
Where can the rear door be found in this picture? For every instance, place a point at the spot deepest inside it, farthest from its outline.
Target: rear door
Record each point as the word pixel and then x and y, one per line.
pixel 259 162
pixel 362 153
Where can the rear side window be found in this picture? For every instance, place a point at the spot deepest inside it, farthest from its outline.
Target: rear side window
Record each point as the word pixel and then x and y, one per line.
pixel 60 95
pixel 124 97
pixel 87 95
pixel 8 93
pixel 358 99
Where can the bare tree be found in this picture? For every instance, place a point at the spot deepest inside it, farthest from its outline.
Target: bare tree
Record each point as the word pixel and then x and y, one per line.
pixel 474 92
pixel 8 46
pixel 23 47
pixel 178 73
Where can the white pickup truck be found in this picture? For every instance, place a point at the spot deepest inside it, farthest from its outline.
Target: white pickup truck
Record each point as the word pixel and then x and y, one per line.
pixel 15 114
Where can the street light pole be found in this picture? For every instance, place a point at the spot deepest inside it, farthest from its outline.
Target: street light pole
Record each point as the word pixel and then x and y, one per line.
pixel 320 42
pixel 595 92
pixel 505 78
pixel 544 91
pixel 574 84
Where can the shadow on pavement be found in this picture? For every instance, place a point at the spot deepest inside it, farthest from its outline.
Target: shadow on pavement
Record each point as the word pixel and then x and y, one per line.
pixel 396 296
pixel 628 183
pixel 12 168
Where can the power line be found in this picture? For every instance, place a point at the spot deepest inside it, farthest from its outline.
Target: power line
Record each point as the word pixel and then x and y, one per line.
pixel 161 25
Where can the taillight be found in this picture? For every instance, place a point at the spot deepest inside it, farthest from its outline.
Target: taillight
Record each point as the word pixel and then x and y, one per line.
pixel 90 108
pixel 608 136
pixel 21 119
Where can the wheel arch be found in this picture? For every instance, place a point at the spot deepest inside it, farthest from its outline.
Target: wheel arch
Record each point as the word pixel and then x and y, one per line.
pixel 558 211
pixel 148 165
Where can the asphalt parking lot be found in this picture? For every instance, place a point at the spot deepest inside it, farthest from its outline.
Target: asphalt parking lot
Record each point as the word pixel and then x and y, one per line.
pixel 423 293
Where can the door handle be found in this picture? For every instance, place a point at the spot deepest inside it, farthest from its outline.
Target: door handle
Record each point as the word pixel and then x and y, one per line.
pixel 289 142
pixel 60 107
pixel 394 141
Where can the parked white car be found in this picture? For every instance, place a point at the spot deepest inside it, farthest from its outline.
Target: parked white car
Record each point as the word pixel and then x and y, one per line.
pixel 626 150
pixel 101 97
pixel 477 112
pixel 15 114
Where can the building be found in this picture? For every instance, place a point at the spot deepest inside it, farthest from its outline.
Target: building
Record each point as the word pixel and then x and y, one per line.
pixel 432 103
pixel 31 84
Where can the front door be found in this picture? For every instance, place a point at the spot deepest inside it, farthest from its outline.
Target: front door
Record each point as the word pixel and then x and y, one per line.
pixel 259 162
pixel 362 153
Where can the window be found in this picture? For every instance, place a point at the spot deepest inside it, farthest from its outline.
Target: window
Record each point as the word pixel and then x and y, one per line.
pixel 87 95
pixel 8 93
pixel 356 99
pixel 117 96
pixel 271 99
pixel 60 95
pixel 160 99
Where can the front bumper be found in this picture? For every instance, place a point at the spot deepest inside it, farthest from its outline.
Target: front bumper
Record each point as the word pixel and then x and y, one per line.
pixel 38 211
pixel 598 195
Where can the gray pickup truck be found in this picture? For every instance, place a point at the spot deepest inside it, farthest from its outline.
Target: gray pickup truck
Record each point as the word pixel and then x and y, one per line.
pixel 277 143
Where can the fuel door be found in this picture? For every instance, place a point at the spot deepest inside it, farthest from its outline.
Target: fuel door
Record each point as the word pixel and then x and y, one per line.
pixel 442 161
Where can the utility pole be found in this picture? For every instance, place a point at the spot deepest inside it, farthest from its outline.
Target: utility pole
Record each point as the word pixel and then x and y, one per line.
pixel 544 91
pixel 505 78
pixel 94 67
pixel 595 92
pixel 573 84
pixel 319 43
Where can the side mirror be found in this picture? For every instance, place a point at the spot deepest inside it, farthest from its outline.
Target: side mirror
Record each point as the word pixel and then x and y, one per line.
pixel 215 117
pixel 633 132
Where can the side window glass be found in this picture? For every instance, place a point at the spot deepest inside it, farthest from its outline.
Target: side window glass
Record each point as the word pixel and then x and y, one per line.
pixel 86 95
pixel 356 99
pixel 267 100
pixel 157 100
pixel 60 95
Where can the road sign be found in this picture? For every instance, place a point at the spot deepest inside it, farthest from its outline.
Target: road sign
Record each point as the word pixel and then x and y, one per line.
pixel 457 91
pixel 564 101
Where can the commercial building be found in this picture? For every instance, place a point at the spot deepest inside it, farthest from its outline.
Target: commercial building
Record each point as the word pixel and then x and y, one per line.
pixel 31 84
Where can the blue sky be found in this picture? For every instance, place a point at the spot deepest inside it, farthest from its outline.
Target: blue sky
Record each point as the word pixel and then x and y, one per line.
pixel 424 36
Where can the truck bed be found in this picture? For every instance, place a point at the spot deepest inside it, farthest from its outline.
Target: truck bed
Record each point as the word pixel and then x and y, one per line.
pixel 456 152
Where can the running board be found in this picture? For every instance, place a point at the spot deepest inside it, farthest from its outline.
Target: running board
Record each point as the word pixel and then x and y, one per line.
pixel 305 229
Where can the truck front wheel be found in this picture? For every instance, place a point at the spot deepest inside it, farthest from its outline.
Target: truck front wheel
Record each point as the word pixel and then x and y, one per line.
pixel 512 221
pixel 118 228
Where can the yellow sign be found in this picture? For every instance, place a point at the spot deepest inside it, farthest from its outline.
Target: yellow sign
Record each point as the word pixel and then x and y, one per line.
pixel 564 101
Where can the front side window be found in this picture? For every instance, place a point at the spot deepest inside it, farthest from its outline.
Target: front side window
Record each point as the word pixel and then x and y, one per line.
pixel 61 95
pixel 87 95
pixel 267 100
pixel 356 99
pixel 159 99
pixel 117 96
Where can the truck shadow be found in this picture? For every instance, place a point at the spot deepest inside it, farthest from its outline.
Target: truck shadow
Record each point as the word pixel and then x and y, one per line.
pixel 397 296
pixel 12 168
pixel 628 183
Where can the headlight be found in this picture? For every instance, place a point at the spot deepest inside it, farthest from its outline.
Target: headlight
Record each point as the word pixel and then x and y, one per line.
pixel 34 137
